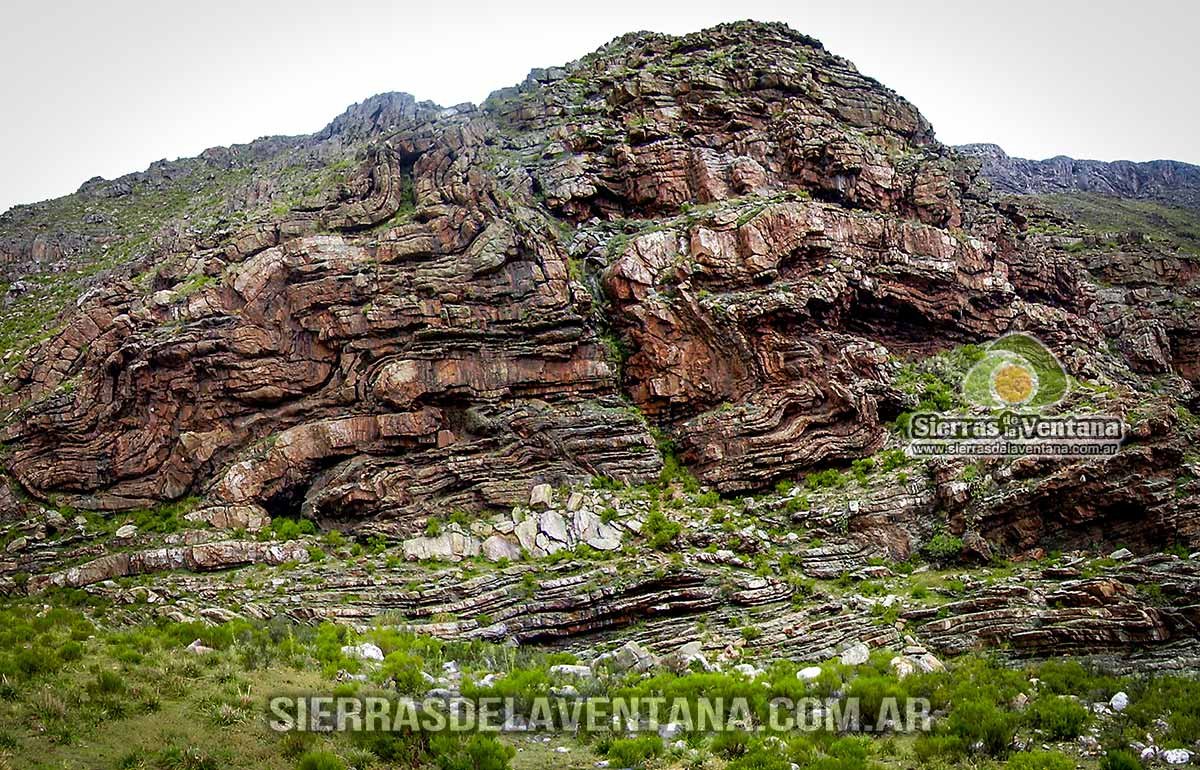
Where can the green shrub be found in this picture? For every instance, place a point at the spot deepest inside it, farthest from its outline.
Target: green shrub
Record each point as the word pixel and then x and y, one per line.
pixel 1174 698
pixel 872 691
pixel 522 686
pixel 292 529
pixel 660 531
pixel 1040 760
pixel 943 548
pixel 633 752
pixel 1117 759
pixel 760 759
pixel 929 746
pixel 1060 718
pixel 862 468
pixel 70 652
pixel 404 671
pixel 980 721
pixel 320 760
pixel 1069 677
pixel 674 471
pixel 830 478
pixel 891 459
pixel 731 744
pixel 797 504
pixel 479 752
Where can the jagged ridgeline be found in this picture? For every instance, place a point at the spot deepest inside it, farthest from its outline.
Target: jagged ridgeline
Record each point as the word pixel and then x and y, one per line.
pixel 664 308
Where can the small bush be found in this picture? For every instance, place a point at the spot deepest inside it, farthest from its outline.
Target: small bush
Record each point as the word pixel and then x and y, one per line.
pixel 70 652
pixel 1059 718
pixel 872 692
pixel 108 683
pixel 479 752
pixel 830 478
pixel 929 747
pixel 943 548
pixel 1040 760
pixel 982 722
pixel 660 531
pixel 760 759
pixel 404 670
pixel 292 529
pixel 1120 760
pixel 633 752
pixel 731 745
pixel 320 760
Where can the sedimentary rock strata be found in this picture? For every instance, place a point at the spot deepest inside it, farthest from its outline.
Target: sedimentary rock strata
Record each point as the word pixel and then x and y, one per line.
pixel 729 251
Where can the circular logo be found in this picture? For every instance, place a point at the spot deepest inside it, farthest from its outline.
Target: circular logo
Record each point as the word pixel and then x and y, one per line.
pixel 1015 371
pixel 1014 382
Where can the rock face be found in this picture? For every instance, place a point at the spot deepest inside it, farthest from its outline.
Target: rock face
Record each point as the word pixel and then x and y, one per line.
pixel 732 242
pixel 1166 181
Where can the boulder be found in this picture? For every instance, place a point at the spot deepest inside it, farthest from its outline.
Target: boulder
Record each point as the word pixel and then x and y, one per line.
pixel 364 651
pixel 632 657
pixel 582 672
pixel 197 648
pixel 856 655
pixel 496 548
pixel 903 666
pixel 687 656
pixel 541 496
pixel 809 673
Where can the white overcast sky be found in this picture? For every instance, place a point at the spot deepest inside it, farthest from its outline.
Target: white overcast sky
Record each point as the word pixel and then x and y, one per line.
pixel 104 88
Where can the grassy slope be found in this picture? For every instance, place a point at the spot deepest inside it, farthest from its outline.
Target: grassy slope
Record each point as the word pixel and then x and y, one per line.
pixel 1166 224
pixel 77 695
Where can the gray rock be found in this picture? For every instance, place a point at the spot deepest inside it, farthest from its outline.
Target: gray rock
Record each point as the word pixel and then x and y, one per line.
pixel 364 651
pixel 633 657
pixel 198 648
pixel 527 532
pixel 903 666
pixel 583 672
pixel 669 731
pixel 496 548
pixel 1121 554
pixel 452 544
pixel 552 525
pixel 126 532
pixel 541 496
pixel 683 659
pixel 856 655
pixel 544 544
pixel 1119 702
pixel 17 544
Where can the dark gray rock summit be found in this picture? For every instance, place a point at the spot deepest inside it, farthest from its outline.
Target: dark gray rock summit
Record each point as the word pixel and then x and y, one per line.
pixel 1165 181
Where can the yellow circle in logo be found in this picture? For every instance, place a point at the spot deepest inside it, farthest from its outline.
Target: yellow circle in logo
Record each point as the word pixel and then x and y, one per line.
pixel 1014 383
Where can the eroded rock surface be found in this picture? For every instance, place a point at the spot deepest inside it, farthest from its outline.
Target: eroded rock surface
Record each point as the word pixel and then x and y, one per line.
pixel 726 250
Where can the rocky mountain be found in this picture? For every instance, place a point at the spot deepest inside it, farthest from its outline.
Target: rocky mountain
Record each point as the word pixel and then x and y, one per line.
pixel 1164 181
pixel 636 334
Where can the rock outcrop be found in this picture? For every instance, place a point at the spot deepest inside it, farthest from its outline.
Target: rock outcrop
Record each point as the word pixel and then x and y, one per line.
pixel 1165 181
pixel 728 252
